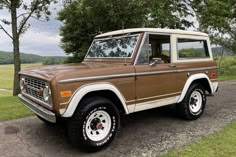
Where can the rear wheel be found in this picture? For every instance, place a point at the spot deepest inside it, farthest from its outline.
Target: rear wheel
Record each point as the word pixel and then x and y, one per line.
pixel 94 124
pixel 193 104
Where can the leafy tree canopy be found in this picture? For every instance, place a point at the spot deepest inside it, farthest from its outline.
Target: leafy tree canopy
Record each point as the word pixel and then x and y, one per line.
pixel 83 19
pixel 218 18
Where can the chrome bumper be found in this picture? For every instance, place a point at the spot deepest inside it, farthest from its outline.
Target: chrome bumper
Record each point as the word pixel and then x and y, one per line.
pixel 40 111
pixel 215 87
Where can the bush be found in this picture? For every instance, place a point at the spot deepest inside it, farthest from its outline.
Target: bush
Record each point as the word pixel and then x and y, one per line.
pixel 51 61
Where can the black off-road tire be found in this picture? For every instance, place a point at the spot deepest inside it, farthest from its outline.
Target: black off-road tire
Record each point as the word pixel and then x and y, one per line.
pixel 77 125
pixel 185 108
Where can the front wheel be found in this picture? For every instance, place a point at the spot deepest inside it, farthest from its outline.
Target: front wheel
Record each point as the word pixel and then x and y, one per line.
pixel 94 124
pixel 194 102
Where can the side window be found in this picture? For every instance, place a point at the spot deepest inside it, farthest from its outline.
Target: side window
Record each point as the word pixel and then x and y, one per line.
pixel 155 47
pixel 192 49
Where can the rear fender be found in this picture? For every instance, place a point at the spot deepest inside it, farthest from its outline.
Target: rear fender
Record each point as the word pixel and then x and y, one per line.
pixel 193 78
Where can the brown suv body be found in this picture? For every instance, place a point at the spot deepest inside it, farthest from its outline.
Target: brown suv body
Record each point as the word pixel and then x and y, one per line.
pixel 133 83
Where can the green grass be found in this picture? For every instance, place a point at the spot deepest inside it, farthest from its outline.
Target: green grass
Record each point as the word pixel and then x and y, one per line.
pixel 227 69
pixel 221 144
pixel 7 71
pixel 227 77
pixel 11 108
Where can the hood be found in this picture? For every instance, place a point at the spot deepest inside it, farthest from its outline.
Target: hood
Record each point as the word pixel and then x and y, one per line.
pixel 51 71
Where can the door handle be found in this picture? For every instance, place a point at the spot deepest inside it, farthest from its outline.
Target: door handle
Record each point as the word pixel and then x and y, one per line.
pixel 172 65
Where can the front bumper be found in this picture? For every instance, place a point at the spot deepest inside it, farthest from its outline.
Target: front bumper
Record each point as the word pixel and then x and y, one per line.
pixel 39 110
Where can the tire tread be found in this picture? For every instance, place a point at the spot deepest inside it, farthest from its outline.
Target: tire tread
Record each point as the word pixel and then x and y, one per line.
pixel 183 108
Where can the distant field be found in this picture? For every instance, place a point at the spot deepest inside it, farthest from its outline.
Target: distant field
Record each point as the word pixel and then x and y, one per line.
pixel 6 73
pixel 227 69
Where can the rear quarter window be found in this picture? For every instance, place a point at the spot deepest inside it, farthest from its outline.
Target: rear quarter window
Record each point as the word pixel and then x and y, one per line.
pixel 192 49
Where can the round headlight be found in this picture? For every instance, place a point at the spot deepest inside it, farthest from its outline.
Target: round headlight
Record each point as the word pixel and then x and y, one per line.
pixel 46 93
pixel 22 83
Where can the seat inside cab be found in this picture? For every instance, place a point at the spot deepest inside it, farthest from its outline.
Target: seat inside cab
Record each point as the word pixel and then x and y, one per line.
pixel 159 48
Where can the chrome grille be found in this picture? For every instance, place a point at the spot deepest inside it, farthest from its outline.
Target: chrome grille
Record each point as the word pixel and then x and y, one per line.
pixel 33 87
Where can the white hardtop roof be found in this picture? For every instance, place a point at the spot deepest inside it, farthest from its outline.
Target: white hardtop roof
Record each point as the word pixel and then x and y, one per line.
pixel 151 30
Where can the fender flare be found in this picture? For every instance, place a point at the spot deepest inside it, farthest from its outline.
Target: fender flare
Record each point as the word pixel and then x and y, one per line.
pixel 190 81
pixel 83 90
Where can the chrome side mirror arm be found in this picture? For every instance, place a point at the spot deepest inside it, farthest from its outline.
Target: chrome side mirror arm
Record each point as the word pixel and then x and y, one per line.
pixel 154 62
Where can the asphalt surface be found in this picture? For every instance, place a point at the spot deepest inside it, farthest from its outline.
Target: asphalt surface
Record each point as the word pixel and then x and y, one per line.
pixel 148 133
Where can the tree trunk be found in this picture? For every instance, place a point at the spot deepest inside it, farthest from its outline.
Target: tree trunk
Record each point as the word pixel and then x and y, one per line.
pixel 16 51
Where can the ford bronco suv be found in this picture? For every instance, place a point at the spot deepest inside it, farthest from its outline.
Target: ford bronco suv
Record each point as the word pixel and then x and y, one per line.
pixel 123 72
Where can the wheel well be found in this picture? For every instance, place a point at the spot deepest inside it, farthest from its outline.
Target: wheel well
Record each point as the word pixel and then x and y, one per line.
pixel 204 82
pixel 109 95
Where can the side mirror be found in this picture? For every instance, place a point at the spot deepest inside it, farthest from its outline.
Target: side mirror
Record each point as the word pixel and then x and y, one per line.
pixel 156 61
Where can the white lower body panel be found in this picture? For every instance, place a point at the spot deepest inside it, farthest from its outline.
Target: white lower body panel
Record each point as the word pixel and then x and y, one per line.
pixel 152 104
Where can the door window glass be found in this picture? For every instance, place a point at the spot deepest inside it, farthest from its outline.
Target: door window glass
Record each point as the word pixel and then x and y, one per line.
pixel 155 48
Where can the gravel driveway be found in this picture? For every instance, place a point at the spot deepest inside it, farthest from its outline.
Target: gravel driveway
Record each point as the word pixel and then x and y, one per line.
pixel 148 133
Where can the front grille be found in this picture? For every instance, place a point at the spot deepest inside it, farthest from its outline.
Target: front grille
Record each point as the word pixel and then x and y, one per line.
pixel 33 87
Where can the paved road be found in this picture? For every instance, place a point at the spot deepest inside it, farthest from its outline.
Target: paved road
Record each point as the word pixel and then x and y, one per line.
pixel 148 133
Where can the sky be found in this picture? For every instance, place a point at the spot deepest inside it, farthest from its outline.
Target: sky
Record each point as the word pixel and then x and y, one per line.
pixel 42 38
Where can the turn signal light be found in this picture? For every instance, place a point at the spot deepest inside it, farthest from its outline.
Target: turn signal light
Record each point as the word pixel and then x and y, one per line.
pixel 65 93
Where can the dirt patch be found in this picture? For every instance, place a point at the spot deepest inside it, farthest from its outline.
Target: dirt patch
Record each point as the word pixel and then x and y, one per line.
pixel 11 130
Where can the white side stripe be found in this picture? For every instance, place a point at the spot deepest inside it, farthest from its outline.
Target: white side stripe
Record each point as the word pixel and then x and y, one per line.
pixel 134 74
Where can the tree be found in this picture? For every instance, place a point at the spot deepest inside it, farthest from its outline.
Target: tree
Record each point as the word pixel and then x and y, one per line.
pixel 83 19
pixel 218 18
pixel 21 12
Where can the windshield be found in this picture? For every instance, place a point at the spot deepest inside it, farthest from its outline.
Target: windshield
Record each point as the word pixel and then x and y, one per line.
pixel 119 47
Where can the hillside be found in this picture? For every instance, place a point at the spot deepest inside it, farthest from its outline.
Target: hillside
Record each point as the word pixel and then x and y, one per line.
pixel 7 58
pixel 217 51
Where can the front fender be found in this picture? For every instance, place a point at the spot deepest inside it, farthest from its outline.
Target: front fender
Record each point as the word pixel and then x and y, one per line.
pixel 82 91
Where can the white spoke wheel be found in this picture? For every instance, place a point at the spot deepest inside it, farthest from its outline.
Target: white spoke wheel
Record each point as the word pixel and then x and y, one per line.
pixel 98 125
pixel 94 124
pixel 194 102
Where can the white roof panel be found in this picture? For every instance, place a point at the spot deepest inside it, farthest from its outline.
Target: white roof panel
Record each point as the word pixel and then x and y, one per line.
pixel 151 30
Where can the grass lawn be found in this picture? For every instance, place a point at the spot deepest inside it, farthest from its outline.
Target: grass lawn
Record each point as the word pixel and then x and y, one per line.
pixel 221 144
pixel 227 69
pixel 11 108
pixel 227 77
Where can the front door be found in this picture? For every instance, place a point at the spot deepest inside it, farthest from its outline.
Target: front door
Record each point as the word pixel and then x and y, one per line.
pixel 155 74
